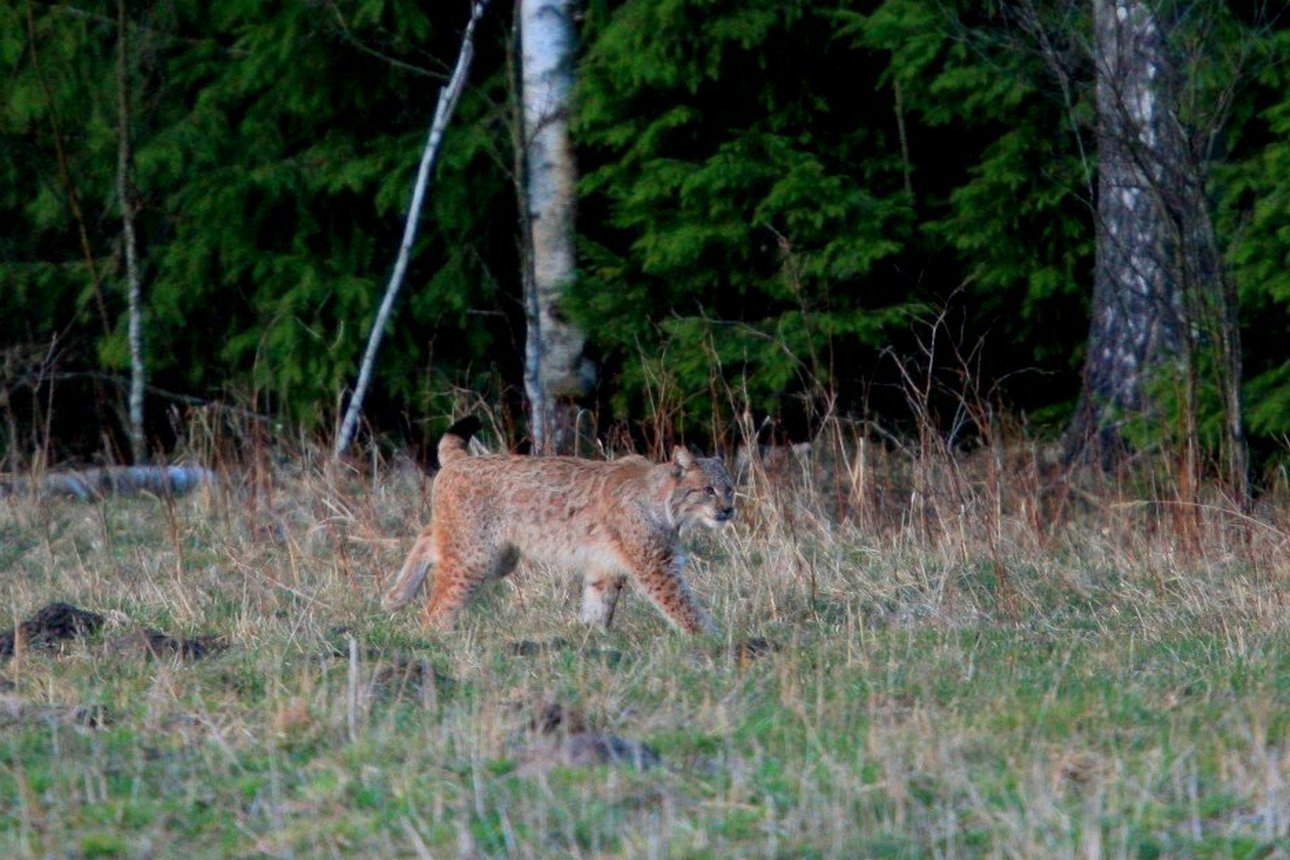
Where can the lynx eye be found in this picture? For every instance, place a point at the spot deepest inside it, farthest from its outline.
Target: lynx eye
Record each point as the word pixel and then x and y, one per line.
pixel 710 491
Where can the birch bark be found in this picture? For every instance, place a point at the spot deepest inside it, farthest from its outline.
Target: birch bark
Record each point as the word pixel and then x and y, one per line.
pixel 134 281
pixel 556 368
pixel 1139 315
pixel 1162 299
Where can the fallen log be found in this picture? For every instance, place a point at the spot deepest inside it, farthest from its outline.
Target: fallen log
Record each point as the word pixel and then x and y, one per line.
pixel 91 485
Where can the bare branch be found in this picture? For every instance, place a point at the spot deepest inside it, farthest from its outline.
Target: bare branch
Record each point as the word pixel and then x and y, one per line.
pixel 353 40
pixel 448 97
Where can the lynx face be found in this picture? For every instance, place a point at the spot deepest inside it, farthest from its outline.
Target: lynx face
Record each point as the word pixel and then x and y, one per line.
pixel 614 522
pixel 705 493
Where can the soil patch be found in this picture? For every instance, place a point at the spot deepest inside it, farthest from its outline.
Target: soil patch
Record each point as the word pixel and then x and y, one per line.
pixel 566 738
pixel 55 623
pixel 61 622
pixel 748 651
pixel 153 644
pixel 530 648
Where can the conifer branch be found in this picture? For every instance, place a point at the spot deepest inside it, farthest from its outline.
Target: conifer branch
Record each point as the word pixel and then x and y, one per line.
pixel 65 176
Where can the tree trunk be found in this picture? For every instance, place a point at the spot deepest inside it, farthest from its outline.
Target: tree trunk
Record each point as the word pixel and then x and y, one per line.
pixel 556 369
pixel 134 281
pixel 1138 322
pixel 1164 316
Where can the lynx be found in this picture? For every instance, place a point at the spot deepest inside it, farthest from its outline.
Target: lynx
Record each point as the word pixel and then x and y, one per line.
pixel 615 520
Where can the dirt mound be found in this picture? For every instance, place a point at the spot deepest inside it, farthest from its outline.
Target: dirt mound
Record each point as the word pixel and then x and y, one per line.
pixel 61 622
pixel 57 622
pixel 748 651
pixel 530 648
pixel 154 644
pixel 562 736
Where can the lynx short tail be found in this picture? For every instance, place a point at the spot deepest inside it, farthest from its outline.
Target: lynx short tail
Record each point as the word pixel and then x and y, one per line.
pixel 424 554
pixel 453 444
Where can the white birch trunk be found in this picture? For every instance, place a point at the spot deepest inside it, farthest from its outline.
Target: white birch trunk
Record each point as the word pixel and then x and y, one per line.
pixel 1138 324
pixel 1160 294
pixel 555 366
pixel 134 300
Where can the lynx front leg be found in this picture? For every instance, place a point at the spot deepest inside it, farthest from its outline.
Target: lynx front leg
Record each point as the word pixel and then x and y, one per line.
pixel 659 576
pixel 600 596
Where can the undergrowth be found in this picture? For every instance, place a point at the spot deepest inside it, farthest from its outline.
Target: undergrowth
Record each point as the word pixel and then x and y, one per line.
pixel 924 654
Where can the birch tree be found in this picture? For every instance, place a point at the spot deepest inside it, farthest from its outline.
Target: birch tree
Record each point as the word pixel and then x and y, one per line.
pixel 1138 313
pixel 556 368
pixel 134 281
pixel 1160 294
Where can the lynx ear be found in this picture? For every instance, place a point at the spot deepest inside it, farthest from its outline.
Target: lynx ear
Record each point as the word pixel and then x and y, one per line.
pixel 682 458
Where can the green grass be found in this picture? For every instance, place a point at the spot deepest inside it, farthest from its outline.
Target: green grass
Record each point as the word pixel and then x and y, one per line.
pixel 1098 692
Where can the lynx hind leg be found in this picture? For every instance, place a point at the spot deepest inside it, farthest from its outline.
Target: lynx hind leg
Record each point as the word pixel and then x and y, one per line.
pixel 599 597
pixel 457 577
pixel 412 574
pixel 660 578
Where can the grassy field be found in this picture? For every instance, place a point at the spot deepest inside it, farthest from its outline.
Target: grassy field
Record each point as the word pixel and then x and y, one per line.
pixel 944 671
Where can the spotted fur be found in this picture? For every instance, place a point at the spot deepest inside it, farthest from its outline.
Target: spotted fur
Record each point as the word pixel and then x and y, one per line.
pixel 615 521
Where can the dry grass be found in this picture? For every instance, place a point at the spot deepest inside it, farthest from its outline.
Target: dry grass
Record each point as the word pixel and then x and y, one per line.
pixel 923 656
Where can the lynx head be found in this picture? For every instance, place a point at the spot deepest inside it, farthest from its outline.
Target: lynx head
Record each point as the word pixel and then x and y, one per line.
pixel 702 490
